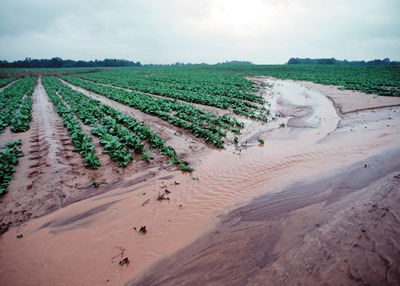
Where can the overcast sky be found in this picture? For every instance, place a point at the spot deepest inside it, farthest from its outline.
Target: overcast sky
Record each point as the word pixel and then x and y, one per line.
pixel 168 31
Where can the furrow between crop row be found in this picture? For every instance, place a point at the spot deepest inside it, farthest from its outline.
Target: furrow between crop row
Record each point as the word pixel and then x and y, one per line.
pixel 201 123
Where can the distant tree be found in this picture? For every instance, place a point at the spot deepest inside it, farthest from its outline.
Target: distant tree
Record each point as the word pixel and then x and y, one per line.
pixel 235 63
pixel 294 61
pixel 333 61
pixel 57 62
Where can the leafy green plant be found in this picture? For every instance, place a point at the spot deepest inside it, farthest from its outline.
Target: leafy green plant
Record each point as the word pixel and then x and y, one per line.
pixel 118 153
pixel 16 105
pixel 201 123
pixel 184 166
pixel 92 161
pixel 115 129
pixel 80 139
pixel 214 88
pixel 9 159
pixel 95 183
pixel 146 156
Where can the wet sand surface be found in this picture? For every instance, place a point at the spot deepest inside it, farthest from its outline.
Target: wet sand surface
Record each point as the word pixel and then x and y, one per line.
pixel 288 212
pixel 339 230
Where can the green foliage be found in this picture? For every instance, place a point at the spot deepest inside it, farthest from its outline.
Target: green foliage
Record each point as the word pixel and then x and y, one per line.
pixel 9 159
pixel 92 161
pixel 95 183
pixel 194 85
pixel 201 123
pixel 184 166
pixel 16 105
pixel 381 80
pixel 112 146
pixel 117 132
pixel 59 65
pixel 80 139
pixel 146 156
pixel 261 141
pixel 5 81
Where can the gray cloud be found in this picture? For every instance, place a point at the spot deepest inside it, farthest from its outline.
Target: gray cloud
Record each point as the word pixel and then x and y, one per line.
pixel 166 31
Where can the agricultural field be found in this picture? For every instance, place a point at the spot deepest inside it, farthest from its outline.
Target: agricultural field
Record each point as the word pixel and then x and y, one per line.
pixel 125 158
pixel 369 79
pixel 89 128
pixel 9 73
pixel 5 81
pixel 207 103
pixel 16 114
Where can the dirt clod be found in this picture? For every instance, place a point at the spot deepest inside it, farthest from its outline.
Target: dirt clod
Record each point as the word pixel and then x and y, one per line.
pixel 124 261
pixel 162 197
pixel 143 229
pixel 3 228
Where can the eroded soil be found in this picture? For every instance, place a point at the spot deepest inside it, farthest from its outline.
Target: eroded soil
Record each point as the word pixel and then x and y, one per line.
pixel 311 203
pixel 340 230
pixel 51 175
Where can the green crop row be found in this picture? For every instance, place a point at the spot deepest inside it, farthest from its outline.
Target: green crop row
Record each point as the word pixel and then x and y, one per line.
pixel 80 139
pixel 186 87
pixel 117 131
pixel 381 80
pixel 22 119
pixel 201 123
pixel 5 81
pixel 16 105
pixel 9 159
pixel 193 80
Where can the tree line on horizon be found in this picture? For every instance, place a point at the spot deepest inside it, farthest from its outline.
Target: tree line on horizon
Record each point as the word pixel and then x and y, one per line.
pixel 57 62
pixel 333 61
pixel 60 63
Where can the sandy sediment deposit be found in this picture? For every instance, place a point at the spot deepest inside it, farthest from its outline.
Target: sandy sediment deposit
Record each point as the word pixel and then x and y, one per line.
pixel 317 204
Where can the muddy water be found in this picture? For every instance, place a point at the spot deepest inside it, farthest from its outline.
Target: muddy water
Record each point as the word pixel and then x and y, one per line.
pixel 84 242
